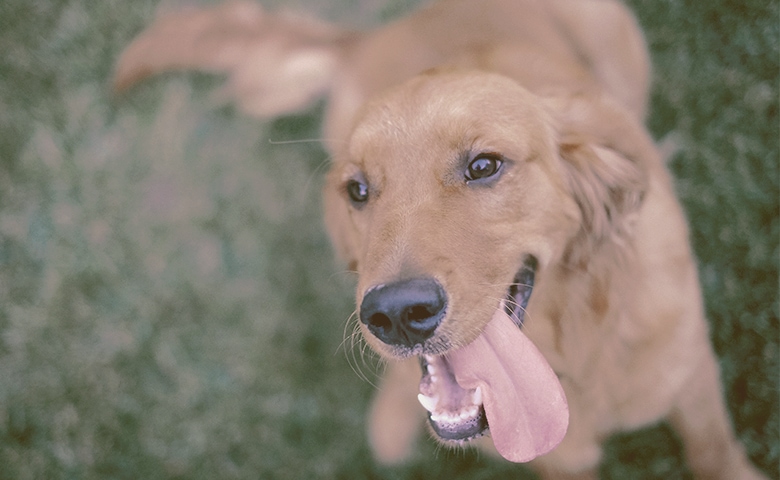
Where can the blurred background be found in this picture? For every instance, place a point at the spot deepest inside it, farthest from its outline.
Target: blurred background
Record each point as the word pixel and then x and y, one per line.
pixel 169 306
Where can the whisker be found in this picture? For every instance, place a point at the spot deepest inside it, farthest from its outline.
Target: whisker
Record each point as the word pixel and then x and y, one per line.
pixel 320 140
pixel 327 161
pixel 354 344
pixel 323 165
pixel 297 141
pixel 342 272
pixel 348 344
pixel 506 285
pixel 514 303
pixel 362 365
pixel 344 335
pixel 439 449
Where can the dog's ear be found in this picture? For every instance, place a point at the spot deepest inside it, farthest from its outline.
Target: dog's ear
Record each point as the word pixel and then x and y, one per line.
pixel 276 63
pixel 605 155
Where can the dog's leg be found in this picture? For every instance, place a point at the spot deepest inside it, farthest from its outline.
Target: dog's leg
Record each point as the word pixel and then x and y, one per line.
pixel 578 456
pixel 700 417
pixel 396 417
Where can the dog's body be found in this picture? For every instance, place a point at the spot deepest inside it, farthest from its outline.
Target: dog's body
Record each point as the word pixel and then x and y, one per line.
pixel 479 148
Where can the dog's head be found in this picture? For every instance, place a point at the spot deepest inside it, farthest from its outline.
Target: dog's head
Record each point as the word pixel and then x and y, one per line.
pixel 458 190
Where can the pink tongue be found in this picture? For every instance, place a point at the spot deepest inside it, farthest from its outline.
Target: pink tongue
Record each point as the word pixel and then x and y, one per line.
pixel 524 402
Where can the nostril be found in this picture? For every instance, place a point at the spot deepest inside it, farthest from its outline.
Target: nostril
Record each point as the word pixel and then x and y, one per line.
pixel 380 320
pixel 418 313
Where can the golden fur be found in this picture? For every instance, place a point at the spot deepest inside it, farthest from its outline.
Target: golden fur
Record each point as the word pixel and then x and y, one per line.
pixel 558 88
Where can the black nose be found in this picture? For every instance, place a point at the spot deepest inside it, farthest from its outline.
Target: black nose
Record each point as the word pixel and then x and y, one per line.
pixel 405 312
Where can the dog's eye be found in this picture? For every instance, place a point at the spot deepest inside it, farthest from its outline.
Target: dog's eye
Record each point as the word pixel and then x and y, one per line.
pixel 483 166
pixel 357 192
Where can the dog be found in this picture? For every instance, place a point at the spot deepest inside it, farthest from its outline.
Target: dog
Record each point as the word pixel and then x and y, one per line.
pixel 513 227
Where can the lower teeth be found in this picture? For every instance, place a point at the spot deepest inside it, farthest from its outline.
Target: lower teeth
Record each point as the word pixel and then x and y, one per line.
pixel 464 415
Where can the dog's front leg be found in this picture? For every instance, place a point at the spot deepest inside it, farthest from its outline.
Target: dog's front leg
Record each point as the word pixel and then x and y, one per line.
pixel 396 416
pixel 701 418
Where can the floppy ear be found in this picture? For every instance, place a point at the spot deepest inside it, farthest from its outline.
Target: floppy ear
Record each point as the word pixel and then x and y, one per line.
pixel 606 156
pixel 607 187
pixel 276 63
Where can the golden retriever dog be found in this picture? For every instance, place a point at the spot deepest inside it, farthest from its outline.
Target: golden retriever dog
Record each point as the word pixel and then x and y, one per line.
pixel 513 227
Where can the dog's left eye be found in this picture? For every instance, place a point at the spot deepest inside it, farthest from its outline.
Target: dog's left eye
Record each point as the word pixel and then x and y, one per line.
pixel 483 166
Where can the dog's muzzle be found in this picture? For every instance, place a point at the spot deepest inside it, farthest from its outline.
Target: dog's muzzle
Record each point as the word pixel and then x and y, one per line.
pixel 406 313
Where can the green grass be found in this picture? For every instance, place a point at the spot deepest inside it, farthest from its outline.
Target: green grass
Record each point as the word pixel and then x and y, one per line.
pixel 168 303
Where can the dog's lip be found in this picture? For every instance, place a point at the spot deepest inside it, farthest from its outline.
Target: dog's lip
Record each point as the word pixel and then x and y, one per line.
pixel 519 291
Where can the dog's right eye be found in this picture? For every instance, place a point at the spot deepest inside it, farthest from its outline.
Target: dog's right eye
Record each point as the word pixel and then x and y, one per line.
pixel 357 192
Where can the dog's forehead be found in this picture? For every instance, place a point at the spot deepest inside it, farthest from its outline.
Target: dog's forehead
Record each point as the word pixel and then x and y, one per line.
pixel 433 120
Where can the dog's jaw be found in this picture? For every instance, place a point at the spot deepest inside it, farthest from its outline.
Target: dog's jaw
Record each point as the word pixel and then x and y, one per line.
pixel 457 414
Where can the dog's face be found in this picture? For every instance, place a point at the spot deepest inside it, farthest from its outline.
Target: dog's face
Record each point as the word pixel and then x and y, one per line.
pixel 451 193
pixel 456 192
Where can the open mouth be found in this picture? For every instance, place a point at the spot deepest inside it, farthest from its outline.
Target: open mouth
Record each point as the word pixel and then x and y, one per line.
pixel 457 414
pixel 454 413
pixel 499 383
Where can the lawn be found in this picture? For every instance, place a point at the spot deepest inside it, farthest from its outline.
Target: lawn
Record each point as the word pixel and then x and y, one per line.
pixel 169 305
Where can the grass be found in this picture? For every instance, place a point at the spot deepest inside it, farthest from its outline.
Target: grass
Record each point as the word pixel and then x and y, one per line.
pixel 168 303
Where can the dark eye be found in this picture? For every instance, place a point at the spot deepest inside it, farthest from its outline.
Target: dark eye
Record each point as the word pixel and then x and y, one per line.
pixel 357 191
pixel 483 166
